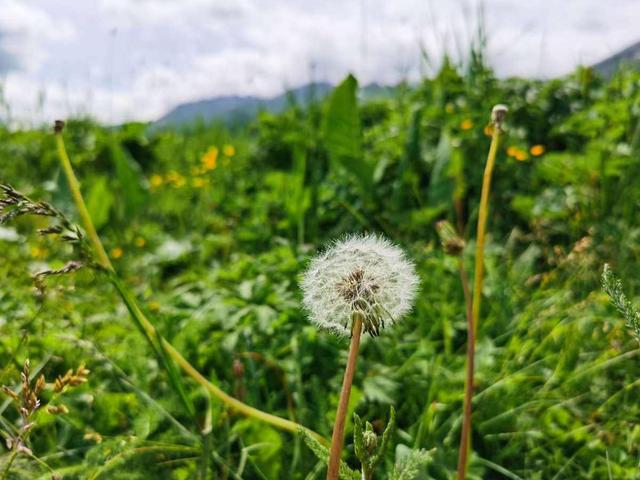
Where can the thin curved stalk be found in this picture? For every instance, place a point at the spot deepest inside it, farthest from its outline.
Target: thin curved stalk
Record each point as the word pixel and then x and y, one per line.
pixel 5 472
pixel 497 117
pixel 146 325
pixel 74 186
pixel 337 438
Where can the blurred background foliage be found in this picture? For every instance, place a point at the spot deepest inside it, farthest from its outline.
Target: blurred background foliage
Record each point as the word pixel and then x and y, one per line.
pixel 211 226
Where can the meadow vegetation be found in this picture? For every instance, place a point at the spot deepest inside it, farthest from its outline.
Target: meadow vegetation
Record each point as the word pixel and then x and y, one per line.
pixel 210 227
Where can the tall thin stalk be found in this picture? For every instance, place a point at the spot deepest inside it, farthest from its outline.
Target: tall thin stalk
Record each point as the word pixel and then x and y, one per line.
pixel 7 469
pixel 337 438
pixel 74 187
pixel 497 118
pixel 143 322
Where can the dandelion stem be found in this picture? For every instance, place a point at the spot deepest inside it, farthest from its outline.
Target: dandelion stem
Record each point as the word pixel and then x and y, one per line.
pixel 497 117
pixel 465 435
pixel 146 325
pixel 337 438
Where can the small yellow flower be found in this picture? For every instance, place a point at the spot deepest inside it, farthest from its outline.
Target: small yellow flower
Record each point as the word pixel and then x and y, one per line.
pixel 512 151
pixel 210 158
pixel 179 181
pixel 172 176
pixel 116 253
pixel 488 130
pixel 537 150
pixel 517 153
pixel 197 171
pixel 139 242
pixel 229 150
pixel 466 124
pixel 38 252
pixel 521 155
pixel 198 182
pixel 155 180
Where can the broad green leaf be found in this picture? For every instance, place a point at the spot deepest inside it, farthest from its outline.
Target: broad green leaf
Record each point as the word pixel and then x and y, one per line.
pixel 343 133
pixel 441 186
pixel 128 175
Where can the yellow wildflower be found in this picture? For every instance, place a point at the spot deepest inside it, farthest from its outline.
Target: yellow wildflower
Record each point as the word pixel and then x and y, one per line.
pixel 198 182
pixel 116 253
pixel 466 124
pixel 488 130
pixel 537 150
pixel 210 158
pixel 38 252
pixel 521 155
pixel 229 150
pixel 517 153
pixel 179 181
pixel 139 242
pixel 155 180
pixel 172 176
pixel 512 151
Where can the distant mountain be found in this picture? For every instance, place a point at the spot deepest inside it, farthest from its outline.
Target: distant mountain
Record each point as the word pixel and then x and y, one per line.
pixel 240 109
pixel 630 55
pixel 232 109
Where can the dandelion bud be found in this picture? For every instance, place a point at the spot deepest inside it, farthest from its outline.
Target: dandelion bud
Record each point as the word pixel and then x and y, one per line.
pixel 363 275
pixel 498 114
pixel 451 242
pixel 58 126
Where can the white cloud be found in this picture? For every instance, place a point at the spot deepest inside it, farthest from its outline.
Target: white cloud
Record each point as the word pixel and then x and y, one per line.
pixel 135 59
pixel 29 34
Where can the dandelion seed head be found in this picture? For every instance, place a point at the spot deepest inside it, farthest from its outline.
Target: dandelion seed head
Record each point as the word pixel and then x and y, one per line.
pixel 363 274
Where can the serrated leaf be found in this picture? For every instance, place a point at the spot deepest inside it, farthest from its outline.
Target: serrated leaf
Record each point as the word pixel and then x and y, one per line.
pixel 322 453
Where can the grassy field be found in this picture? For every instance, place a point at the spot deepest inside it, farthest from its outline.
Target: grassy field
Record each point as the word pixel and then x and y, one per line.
pixel 209 229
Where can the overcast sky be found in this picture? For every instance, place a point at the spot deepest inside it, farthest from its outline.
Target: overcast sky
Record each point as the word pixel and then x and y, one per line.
pixel 135 59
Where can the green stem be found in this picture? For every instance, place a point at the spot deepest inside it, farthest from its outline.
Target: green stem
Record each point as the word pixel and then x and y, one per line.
pixel 5 473
pixel 473 316
pixel 144 322
pixel 482 225
pixel 74 186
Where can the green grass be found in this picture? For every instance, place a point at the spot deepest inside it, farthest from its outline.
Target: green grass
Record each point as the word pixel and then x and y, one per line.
pixel 214 258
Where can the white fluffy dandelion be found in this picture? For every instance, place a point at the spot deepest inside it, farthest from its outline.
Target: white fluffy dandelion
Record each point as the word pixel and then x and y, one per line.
pixel 359 274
